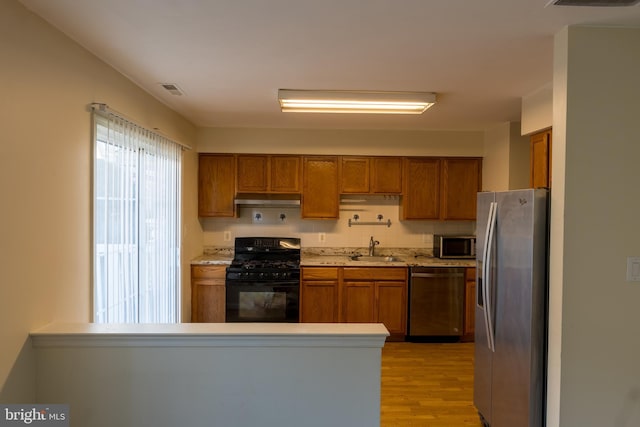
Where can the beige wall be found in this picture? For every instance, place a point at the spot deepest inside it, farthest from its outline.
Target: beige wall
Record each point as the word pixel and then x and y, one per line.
pixel 594 374
pixel 537 110
pixel 506 158
pixel 362 142
pixel 45 177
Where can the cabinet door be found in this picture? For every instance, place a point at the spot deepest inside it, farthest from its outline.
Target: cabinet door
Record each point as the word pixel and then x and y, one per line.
pixel 253 173
pixel 460 186
pixel 358 302
pixel 541 159
pixel 391 306
pixel 216 185
pixel 208 296
pixel 355 175
pixel 421 195
pixel 320 187
pixel 319 301
pixel 469 304
pixel 285 174
pixel 386 175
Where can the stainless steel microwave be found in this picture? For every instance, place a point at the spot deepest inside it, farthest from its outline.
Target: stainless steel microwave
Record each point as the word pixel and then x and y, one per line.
pixel 454 246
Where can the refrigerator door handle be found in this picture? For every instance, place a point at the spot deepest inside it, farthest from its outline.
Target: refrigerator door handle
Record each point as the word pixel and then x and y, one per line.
pixel 483 284
pixel 491 226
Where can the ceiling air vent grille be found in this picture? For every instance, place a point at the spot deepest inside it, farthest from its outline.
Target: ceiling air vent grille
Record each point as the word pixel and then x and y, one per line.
pixel 598 3
pixel 174 89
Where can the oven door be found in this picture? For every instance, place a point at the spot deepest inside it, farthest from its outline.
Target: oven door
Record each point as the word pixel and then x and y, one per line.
pixel 263 301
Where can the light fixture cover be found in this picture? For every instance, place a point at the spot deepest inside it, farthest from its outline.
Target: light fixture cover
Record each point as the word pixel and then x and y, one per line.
pixel 342 101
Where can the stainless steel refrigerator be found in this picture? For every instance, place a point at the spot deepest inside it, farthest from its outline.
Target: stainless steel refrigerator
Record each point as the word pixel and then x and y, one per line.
pixel 511 308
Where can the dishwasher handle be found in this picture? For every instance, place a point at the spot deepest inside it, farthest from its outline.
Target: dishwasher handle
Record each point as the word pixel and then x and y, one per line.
pixel 437 274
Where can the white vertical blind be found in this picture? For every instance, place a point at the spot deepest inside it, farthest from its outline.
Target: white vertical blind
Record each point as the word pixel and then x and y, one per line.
pixel 137 181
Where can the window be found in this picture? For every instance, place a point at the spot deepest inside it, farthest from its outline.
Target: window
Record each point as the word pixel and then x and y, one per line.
pixel 136 223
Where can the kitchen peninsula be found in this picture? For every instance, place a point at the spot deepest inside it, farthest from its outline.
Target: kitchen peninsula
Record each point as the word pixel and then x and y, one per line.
pixel 212 374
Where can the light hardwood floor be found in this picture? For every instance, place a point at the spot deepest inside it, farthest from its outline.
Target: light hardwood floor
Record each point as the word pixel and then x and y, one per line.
pixel 427 385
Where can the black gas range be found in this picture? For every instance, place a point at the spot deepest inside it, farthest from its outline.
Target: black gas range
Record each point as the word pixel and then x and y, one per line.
pixel 263 280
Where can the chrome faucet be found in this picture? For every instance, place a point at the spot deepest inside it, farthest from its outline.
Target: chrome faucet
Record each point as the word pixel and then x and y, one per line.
pixel 372 246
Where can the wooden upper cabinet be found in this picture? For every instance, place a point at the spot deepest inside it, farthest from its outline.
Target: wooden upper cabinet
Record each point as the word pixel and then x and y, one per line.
pixel 461 181
pixel 216 185
pixel 286 173
pixel 441 189
pixel 421 188
pixel 355 175
pixel 253 173
pixel 268 174
pixel 541 159
pixel 386 175
pixel 320 198
pixel 377 175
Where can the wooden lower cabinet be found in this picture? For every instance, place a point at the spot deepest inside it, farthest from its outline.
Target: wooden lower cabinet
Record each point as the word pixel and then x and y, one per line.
pixel 208 296
pixel 358 302
pixel 469 305
pixel 376 295
pixel 356 295
pixel 319 295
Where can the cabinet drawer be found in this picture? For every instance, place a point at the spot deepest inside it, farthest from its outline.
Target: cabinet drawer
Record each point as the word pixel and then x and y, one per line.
pixel 208 271
pixel 375 273
pixel 319 273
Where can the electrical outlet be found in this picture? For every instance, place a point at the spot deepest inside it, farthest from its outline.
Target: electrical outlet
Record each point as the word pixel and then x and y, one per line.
pixel 322 237
pixel 227 236
pixel 633 269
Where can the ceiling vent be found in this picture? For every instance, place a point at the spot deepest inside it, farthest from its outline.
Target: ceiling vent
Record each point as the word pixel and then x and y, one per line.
pixel 172 89
pixel 595 3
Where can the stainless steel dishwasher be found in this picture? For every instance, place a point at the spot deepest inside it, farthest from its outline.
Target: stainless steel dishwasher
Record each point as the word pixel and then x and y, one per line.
pixel 436 298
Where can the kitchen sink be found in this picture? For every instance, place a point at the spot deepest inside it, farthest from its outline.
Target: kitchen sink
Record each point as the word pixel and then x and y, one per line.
pixel 375 258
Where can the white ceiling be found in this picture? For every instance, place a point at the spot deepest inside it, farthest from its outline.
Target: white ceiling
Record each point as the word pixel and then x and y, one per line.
pixel 230 57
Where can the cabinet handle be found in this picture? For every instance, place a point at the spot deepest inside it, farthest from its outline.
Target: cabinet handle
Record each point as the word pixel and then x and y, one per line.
pixel 437 274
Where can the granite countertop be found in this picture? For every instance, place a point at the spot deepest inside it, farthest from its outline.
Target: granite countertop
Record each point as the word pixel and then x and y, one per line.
pixel 341 257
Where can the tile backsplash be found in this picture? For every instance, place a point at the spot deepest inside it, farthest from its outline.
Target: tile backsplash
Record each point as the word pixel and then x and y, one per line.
pixel 286 222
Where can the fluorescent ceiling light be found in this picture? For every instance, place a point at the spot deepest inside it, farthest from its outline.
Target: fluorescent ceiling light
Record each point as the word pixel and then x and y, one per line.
pixel 318 101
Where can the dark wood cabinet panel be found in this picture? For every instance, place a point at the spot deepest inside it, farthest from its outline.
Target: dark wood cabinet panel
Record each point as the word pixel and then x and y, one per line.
pixel 216 185
pixel 268 173
pixel 386 177
pixel 541 160
pixel 421 188
pixel 208 296
pixel 469 304
pixel 355 175
pixel 320 198
pixel 319 297
pixel 358 302
pixel 461 181
pixel 286 173
pixel 253 174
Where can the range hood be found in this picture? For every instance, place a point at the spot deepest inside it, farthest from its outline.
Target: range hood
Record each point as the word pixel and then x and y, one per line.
pixel 268 200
